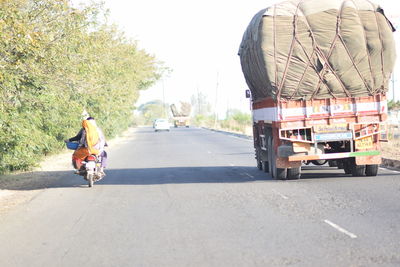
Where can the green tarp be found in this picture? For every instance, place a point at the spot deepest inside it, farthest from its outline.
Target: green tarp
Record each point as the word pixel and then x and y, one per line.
pixel 314 49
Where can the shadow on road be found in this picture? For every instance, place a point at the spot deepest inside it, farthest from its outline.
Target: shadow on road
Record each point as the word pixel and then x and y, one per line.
pixel 154 176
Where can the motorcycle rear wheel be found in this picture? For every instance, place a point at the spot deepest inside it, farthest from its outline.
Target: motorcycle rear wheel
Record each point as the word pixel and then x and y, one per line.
pixel 90 179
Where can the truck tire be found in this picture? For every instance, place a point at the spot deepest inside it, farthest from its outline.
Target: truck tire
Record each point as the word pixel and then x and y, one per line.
pixel 340 164
pixel 90 180
pixel 265 166
pixel 371 170
pixel 294 173
pixel 358 170
pixel 269 156
pixel 258 159
pixel 277 173
pixel 332 163
pixel 259 165
pixel 319 162
pixel 347 166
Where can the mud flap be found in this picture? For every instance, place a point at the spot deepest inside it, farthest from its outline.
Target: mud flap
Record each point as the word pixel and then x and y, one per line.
pixel 368 160
pixel 285 163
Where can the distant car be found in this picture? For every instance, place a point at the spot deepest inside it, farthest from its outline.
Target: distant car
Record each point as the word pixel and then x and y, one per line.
pixel 161 125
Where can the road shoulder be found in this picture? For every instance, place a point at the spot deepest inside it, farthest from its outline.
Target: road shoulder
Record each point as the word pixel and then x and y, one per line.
pixel 21 187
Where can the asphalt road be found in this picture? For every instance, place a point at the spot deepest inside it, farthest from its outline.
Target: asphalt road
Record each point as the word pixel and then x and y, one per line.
pixel 192 197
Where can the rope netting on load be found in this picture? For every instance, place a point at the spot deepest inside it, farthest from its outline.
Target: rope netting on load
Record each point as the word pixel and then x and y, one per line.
pixel 298 50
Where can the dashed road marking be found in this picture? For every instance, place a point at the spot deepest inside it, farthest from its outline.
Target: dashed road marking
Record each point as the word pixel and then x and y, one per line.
pixel 280 194
pixel 248 175
pixel 340 229
pixel 231 164
pixel 209 152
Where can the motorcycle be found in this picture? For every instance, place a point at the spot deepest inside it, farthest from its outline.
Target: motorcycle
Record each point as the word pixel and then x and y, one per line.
pixel 91 170
pixel 91 166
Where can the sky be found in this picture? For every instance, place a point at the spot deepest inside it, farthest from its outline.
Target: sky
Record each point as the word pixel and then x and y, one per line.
pixel 199 41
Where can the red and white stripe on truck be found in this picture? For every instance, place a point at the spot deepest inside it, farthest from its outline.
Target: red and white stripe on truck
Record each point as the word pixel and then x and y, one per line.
pixel 304 130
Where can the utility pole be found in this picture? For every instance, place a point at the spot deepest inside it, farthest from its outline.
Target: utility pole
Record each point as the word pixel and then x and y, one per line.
pixel 163 91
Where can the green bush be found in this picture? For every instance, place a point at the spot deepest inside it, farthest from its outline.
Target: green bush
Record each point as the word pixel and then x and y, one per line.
pixel 56 61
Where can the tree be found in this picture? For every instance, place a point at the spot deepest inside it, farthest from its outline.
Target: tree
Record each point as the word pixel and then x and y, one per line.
pixel 152 110
pixel 201 104
pixel 393 105
pixel 55 61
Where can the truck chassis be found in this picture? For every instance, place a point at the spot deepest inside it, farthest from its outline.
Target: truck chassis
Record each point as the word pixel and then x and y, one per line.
pixel 345 131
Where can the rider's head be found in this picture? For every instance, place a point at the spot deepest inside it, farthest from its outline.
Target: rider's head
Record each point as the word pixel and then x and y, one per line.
pixel 88 120
pixel 85 115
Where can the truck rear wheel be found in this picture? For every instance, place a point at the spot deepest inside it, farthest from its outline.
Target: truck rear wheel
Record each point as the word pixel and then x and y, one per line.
pixel 269 156
pixel 258 159
pixel 332 163
pixel 371 170
pixel 277 173
pixel 294 173
pixel 358 170
pixel 259 165
pixel 319 162
pixel 265 166
pixel 340 164
pixel 347 166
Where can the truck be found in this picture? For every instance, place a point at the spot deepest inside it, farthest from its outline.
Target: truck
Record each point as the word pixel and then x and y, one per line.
pixel 181 114
pixel 318 75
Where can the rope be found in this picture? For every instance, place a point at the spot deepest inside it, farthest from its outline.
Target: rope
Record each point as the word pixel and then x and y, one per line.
pixel 290 53
pixel 326 65
pixel 366 48
pixel 321 54
pixel 302 76
pixel 276 64
pixel 382 62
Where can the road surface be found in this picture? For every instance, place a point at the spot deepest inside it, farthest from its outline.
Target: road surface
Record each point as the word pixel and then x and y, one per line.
pixel 192 197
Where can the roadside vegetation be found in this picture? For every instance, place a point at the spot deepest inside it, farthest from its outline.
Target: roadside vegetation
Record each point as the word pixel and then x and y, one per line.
pixel 393 105
pixel 151 111
pixel 55 62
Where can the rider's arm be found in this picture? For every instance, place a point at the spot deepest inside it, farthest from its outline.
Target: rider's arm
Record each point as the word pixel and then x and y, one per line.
pixel 77 137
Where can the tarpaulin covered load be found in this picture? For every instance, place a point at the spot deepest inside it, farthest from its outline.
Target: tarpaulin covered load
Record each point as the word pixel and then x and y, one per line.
pixel 315 49
pixel 183 109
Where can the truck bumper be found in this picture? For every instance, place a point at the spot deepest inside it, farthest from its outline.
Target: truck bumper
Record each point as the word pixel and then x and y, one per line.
pixel 334 155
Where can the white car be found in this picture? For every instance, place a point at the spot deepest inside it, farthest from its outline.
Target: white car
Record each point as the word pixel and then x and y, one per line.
pixel 161 124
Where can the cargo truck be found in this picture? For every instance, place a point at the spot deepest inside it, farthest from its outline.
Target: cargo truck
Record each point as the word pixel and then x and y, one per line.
pixel 181 114
pixel 318 73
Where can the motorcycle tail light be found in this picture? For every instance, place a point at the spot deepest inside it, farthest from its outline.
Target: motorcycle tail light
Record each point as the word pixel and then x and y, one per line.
pixel 92 158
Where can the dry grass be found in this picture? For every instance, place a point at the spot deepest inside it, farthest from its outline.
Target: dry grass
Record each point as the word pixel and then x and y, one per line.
pixel 391 149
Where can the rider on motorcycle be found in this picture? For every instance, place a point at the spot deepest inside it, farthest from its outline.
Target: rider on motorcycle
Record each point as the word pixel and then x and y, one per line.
pixel 91 142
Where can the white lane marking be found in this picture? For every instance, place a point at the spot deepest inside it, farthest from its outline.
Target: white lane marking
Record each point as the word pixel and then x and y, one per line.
pixel 248 175
pixel 340 229
pixel 231 164
pixel 209 152
pixel 280 194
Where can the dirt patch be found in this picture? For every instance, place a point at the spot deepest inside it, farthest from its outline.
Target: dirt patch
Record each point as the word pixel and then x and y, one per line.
pixel 391 154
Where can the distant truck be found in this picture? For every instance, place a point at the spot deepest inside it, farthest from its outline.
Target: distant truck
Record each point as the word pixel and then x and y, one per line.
pixel 181 114
pixel 318 73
